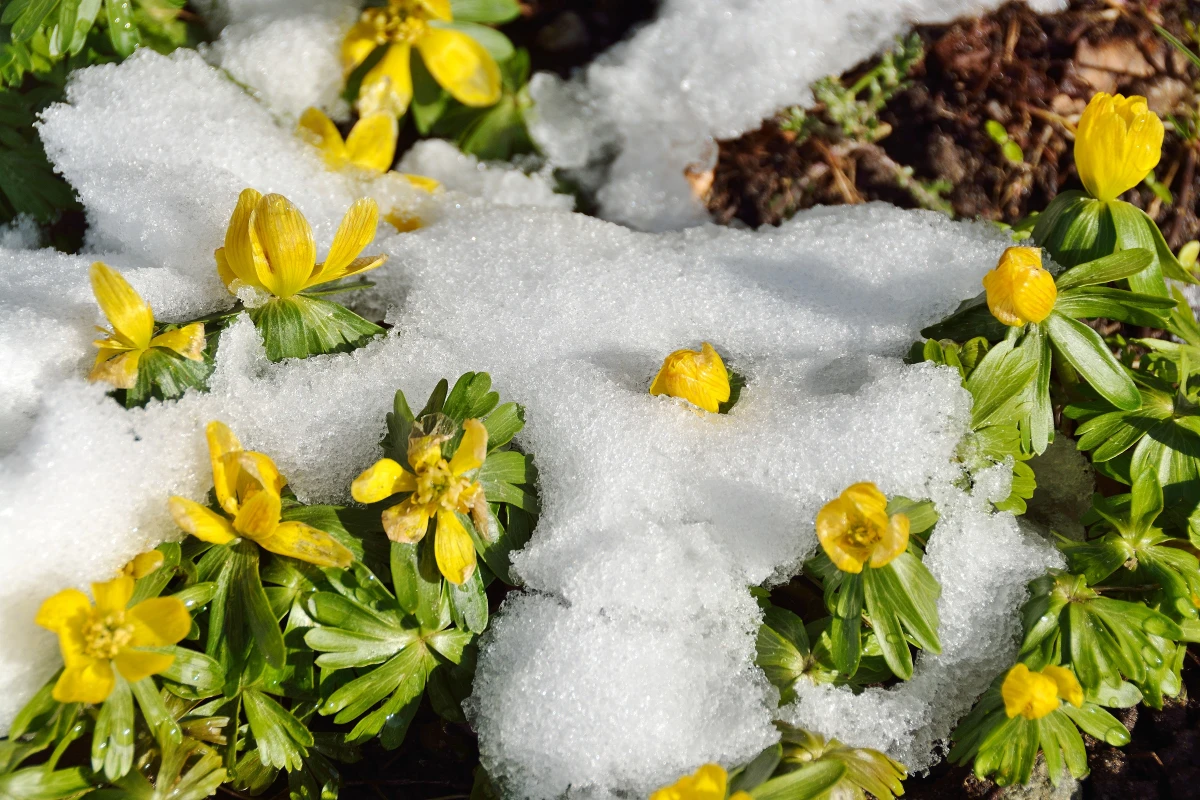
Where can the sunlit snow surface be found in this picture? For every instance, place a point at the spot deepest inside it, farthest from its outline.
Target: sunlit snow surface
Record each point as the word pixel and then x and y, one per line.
pixel 630 656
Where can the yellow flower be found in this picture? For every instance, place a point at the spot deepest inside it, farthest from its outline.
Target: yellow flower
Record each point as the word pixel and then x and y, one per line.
pixel 94 639
pixel 460 64
pixel 370 149
pixel 439 489
pixel 1117 142
pixel 855 529
pixel 269 245
pixel 1019 289
pixel 1033 695
pixel 708 783
pixel 696 376
pixel 248 487
pixel 143 564
pixel 132 331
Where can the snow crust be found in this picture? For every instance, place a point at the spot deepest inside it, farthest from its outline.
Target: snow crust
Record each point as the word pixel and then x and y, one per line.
pixel 628 659
pixel 649 109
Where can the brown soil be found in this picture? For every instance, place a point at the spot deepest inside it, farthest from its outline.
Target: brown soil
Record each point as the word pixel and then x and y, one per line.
pixel 1033 74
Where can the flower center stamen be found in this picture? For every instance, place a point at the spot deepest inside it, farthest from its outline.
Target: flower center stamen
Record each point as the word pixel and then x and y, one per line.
pixel 862 534
pixel 106 636
pixel 400 22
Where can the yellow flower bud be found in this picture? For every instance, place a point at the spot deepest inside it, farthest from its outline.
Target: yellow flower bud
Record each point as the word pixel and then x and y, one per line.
pixel 696 376
pixel 1117 142
pixel 143 564
pixel 854 529
pixel 1019 289
pixel 708 783
pixel 1033 695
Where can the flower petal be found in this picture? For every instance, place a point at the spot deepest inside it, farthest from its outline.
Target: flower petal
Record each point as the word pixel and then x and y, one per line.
pixel 242 256
pixel 699 377
pixel 201 522
pixel 258 471
pixel 224 271
pixel 388 85
pixel 287 242
pixel 223 447
pixel 89 682
pixel 120 372
pixel 406 522
pixel 358 45
pixel 472 450
pixel 159 621
pixel 259 515
pixel 1067 684
pixel 318 130
pixel 424 183
pixel 127 312
pixel 453 548
pixel 306 543
pixel 355 232
pixel 893 543
pixel 382 479
pixel 68 608
pixel 461 65
pixel 438 9
pixel 358 265
pixel 187 341
pixel 134 665
pixel 144 563
pixel 371 144
pixel 833 521
pixel 113 596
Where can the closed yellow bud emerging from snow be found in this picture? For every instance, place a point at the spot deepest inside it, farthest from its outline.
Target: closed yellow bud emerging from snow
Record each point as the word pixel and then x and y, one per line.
pixel 1019 289
pixel 696 376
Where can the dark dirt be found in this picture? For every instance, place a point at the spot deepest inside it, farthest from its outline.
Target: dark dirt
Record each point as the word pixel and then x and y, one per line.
pixel 1033 74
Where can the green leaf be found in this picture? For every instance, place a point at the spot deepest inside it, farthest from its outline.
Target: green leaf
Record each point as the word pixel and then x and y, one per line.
pixel 846 628
pixel 282 740
pixel 1083 348
pixel 1000 380
pixel 198 671
pixel 31 19
pixel 1097 722
pixel 491 12
pixel 901 597
pixel 121 28
pixel 1135 230
pixel 471 397
pixel 39 783
pixel 1117 304
pixel 112 741
pixel 1076 229
pixel 154 710
pixel 809 781
pixel 757 771
pixel 503 424
pixel 429 100
pixel 301 326
pixel 468 602
pixel 782 649
pixel 247 589
pixel 1109 268
pixel 972 319
pixel 356 697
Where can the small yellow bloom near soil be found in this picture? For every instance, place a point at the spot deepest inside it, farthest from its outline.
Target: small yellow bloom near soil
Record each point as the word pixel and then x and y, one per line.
pixel 1033 695
pixel 710 782
pixel 1117 142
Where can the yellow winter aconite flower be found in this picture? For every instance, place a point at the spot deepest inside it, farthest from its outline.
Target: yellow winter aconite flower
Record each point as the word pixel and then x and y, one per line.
pixel 458 62
pixel 439 489
pixel 707 783
pixel 855 529
pixel 132 331
pixel 1033 695
pixel 143 564
pixel 1117 142
pixel 248 487
pixel 269 245
pixel 698 376
pixel 1019 289
pixel 96 638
